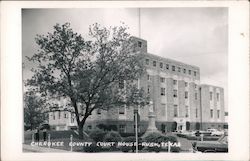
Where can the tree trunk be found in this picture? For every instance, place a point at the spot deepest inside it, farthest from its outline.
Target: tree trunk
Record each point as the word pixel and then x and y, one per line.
pixel 80 131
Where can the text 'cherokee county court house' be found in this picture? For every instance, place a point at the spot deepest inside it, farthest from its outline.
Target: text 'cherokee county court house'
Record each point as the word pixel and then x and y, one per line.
pixel 180 102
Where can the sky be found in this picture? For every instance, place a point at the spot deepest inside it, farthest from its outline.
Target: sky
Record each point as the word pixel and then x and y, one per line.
pixel 196 36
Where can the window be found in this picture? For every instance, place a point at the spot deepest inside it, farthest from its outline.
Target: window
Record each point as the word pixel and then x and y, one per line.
pixel 186 84
pixel 195 86
pixel 175 111
pixel 154 63
pixel 98 111
pixel 174 82
pixel 187 112
pixel 179 69
pixel 211 95
pixel 65 114
pixel 163 92
pixel 121 84
pixel 148 88
pixel 139 44
pixel 194 73
pixel 89 127
pixel 54 116
pixel 218 113
pixel 161 65
pixel 196 96
pixel 59 114
pixel 163 110
pixel 148 77
pixel 218 96
pixel 162 80
pixel 196 113
pixel 175 93
pixel 122 128
pixel 189 72
pixel 167 66
pixel 211 113
pixel 186 94
pixel 122 110
pixel 184 70
pixel 173 68
pixel 72 118
pixel 147 61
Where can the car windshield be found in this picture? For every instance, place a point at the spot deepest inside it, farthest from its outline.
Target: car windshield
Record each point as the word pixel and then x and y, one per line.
pixel 223 139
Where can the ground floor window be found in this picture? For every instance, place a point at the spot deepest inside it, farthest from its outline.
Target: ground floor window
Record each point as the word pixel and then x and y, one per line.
pixel 122 128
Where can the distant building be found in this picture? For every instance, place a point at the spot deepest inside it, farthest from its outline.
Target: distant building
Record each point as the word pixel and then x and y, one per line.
pixel 180 102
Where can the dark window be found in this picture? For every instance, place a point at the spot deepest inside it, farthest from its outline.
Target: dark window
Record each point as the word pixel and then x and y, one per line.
pixel 186 84
pixel 161 65
pixel 211 95
pixel 162 80
pixel 148 88
pixel 175 93
pixel 187 112
pixel 154 63
pixel 218 113
pixel 195 86
pixel 122 110
pixel 184 70
pixel 148 77
pixel 65 114
pixel 196 96
pixel 167 66
pixel 147 61
pixel 196 113
pixel 174 82
pixel 186 94
pixel 54 116
pixel 179 69
pixel 163 92
pixel 59 114
pixel 122 128
pixel 194 73
pixel 189 72
pixel 89 127
pixel 121 84
pixel 211 113
pixel 139 44
pixel 173 68
pixel 98 111
pixel 163 110
pixel 175 111
pixel 218 96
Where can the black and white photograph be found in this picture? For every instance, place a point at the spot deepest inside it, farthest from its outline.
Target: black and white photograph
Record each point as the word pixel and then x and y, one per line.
pixel 125 80
pixel 134 80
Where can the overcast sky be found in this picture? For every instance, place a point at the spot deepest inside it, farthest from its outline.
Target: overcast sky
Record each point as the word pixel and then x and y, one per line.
pixel 196 36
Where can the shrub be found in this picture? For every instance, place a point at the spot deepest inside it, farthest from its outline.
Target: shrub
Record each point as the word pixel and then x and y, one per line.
pixel 113 136
pixel 93 147
pixel 97 135
pixel 130 144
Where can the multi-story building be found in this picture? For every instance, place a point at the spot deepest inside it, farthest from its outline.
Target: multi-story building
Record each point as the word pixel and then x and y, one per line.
pixel 180 102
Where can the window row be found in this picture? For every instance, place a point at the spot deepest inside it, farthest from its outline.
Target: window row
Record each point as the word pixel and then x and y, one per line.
pixel 217 96
pixel 61 114
pixel 121 110
pixel 173 68
pixel 212 113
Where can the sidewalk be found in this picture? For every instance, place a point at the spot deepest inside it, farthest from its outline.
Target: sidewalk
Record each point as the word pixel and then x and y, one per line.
pixel 29 148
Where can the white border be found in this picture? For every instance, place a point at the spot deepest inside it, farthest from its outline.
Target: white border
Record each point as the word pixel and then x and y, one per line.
pixel 11 82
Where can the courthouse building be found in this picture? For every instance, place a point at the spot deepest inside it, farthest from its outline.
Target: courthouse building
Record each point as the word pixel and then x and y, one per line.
pixel 180 101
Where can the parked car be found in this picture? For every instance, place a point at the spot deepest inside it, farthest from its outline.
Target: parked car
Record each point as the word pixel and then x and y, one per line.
pixel 221 145
pixel 215 132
